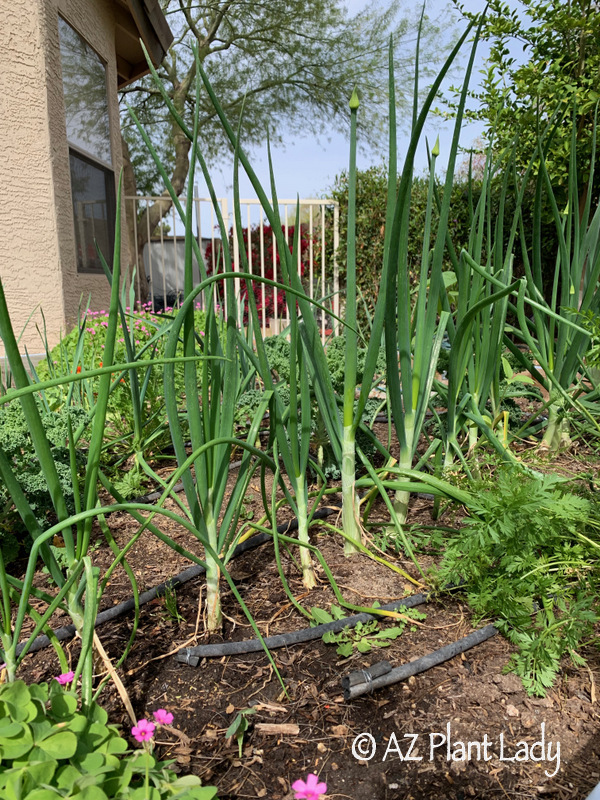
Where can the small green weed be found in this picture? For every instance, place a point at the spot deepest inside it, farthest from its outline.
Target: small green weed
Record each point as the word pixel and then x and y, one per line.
pixel 131 483
pixel 239 726
pixel 171 605
pixel 364 636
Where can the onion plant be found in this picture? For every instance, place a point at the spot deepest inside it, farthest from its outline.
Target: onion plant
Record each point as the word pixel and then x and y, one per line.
pixel 291 425
pixel 214 507
pixel 413 333
pixel 557 342
pixel 342 429
pixel 476 329
pixel 76 581
pixel 77 585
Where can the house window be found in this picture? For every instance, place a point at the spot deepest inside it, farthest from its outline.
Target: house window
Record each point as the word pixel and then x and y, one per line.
pixel 88 135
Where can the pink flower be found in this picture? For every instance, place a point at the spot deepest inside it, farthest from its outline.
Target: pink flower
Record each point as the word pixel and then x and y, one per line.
pixel 143 731
pixel 163 717
pixel 311 789
pixel 65 678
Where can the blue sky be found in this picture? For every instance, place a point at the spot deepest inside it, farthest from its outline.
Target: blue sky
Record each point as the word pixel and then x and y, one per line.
pixel 307 168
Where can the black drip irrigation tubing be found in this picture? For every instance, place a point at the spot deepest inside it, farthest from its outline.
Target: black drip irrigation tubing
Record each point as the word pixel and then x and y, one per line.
pixel 192 655
pixel 357 683
pixel 68 631
pixel 369 682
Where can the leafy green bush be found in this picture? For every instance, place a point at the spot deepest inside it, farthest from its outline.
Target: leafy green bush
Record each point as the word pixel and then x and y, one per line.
pixel 17 445
pixel 278 353
pixel 528 557
pixel 371 196
pixel 49 749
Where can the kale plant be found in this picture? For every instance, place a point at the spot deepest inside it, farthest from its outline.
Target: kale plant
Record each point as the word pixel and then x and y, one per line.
pixel 16 443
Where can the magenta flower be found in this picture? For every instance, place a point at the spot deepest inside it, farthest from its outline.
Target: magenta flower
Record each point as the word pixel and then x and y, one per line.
pixel 65 678
pixel 143 731
pixel 311 789
pixel 163 717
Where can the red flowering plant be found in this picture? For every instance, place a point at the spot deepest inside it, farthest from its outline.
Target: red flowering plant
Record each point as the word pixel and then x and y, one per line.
pixel 269 298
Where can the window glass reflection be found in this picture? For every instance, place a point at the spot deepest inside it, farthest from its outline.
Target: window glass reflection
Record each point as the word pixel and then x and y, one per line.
pixel 86 103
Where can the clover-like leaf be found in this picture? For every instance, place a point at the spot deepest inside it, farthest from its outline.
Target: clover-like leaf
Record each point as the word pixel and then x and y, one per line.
pixel 59 744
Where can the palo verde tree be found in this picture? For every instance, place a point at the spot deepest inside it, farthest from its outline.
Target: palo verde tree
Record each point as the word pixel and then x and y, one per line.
pixel 291 65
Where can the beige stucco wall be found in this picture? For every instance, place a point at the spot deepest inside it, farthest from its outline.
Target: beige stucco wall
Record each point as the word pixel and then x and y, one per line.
pixel 37 240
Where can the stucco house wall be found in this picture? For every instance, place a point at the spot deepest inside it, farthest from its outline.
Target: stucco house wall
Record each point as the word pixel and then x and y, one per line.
pixel 38 265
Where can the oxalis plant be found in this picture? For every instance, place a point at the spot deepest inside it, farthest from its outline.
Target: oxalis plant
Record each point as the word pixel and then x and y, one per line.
pixel 50 749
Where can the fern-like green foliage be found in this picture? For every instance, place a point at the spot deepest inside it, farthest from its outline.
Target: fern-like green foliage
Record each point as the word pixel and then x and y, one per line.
pixel 524 563
pixel 15 441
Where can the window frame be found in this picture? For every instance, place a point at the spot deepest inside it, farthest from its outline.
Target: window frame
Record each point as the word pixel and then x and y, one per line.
pixel 107 169
pixel 109 183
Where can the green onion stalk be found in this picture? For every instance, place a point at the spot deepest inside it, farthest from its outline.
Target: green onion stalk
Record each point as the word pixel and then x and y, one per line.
pixel 350 512
pixel 476 329
pixel 209 413
pixel 291 425
pixel 557 343
pixel 414 337
pixel 391 319
pixel 77 586
pixel 311 367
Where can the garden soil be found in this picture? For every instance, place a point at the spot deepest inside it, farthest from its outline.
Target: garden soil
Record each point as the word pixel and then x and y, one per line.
pixel 464 729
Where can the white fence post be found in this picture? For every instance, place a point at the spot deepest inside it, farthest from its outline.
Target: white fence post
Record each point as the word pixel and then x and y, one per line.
pixel 165 268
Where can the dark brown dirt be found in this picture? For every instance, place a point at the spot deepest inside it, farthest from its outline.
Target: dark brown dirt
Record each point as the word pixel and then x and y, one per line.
pixel 468 697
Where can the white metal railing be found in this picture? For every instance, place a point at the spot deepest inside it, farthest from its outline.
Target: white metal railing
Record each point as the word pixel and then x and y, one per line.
pixel 162 255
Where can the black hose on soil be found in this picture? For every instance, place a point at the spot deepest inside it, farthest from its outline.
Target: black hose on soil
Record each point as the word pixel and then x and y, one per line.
pixel 192 655
pixel 415 667
pixel 68 631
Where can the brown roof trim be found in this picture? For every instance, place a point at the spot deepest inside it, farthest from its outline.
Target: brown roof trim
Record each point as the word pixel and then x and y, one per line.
pixel 145 21
pixel 153 27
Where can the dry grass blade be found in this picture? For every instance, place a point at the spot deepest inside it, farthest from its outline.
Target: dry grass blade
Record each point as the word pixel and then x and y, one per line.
pixel 115 677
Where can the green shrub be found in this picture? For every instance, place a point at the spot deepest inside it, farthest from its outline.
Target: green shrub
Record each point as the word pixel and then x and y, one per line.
pixel 371 195
pixel 49 749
